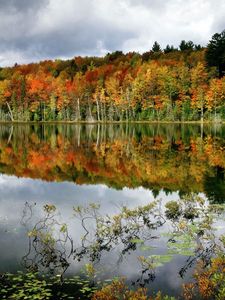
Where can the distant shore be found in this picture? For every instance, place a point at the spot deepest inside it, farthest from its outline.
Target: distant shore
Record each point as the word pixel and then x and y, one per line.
pixel 114 122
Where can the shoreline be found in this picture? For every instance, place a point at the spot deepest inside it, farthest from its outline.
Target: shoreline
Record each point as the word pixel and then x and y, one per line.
pixel 113 122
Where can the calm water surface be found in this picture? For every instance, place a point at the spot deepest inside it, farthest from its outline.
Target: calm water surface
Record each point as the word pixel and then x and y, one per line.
pixel 118 167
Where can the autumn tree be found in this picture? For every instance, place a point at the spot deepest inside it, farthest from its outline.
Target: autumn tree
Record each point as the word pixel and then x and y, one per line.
pixel 198 88
pixel 215 97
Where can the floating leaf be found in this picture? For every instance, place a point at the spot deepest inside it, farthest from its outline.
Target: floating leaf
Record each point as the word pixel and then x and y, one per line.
pixel 146 248
pixel 136 241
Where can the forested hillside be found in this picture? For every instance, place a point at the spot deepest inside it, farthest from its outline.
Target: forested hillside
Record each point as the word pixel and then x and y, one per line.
pixel 185 84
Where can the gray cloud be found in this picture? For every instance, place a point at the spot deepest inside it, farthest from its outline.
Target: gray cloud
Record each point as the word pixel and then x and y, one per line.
pixel 32 30
pixel 21 5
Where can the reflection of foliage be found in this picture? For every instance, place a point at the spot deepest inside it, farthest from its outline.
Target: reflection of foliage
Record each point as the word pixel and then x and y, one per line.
pixel 48 240
pixel 214 186
pixel 171 157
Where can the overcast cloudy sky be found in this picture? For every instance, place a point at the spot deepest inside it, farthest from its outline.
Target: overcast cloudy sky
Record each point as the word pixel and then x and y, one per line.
pixel 32 30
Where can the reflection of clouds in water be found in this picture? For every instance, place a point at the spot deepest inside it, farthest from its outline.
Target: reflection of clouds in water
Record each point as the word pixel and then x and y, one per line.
pixel 134 197
pixel 144 196
pixel 137 194
pixel 102 190
pixel 14 182
pixel 14 192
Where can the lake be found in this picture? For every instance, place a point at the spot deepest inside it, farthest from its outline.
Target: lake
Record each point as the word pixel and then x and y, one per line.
pixel 93 200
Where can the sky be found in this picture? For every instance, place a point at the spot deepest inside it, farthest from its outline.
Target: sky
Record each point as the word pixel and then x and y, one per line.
pixel 33 30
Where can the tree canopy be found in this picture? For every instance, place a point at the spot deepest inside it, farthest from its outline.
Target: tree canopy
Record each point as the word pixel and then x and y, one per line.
pixel 169 84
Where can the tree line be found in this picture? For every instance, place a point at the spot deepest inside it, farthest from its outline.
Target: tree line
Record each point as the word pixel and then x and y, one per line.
pixel 185 84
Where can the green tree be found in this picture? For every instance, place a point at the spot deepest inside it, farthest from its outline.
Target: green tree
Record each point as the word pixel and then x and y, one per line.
pixel 169 49
pixel 186 45
pixel 215 52
pixel 156 47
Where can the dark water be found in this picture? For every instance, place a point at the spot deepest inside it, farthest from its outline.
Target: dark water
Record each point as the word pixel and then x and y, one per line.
pixel 120 168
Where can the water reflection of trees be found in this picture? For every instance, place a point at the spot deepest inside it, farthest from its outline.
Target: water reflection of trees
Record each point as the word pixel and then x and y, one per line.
pixel 214 185
pixel 173 157
pixel 187 229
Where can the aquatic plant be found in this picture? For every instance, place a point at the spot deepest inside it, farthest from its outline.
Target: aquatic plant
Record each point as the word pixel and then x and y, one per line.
pixel 119 290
